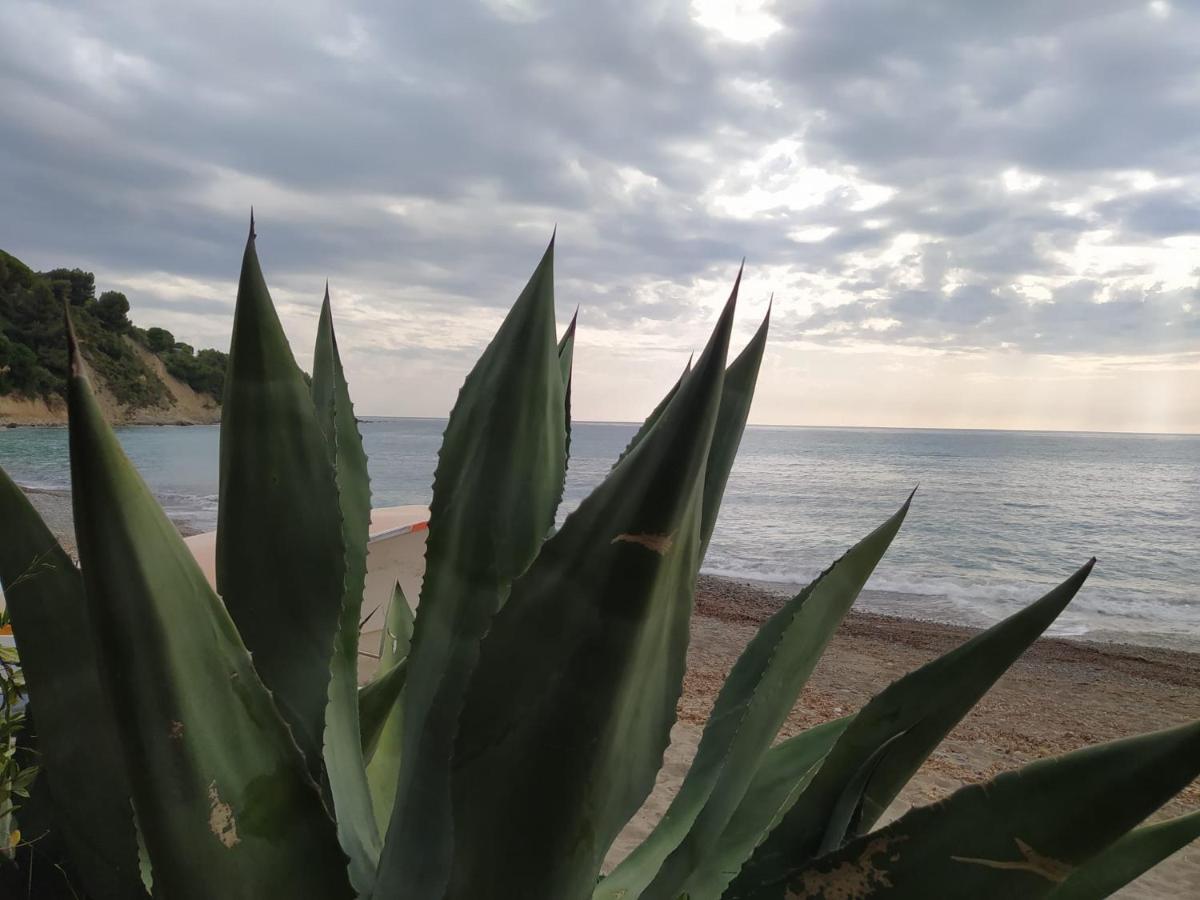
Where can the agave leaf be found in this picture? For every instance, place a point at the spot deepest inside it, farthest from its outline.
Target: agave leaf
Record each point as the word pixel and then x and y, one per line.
pixel 847 809
pixel 281 565
pixel 220 789
pixel 396 639
pixel 343 749
pixel 382 739
pixel 785 771
pixel 571 706
pixel 376 701
pixel 948 689
pixel 145 869
pixel 77 740
pixel 566 360
pixel 655 414
pixel 1020 835
pixel 736 398
pixel 752 705
pixel 917 711
pixel 499 479
pixel 1128 858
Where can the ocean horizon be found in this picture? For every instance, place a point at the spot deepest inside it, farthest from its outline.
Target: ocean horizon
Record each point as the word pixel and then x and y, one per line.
pixel 999 517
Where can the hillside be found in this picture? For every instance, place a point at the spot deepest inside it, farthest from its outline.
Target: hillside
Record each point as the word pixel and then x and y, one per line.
pixel 142 376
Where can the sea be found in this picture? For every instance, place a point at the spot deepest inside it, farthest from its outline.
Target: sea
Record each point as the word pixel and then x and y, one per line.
pixel 999 517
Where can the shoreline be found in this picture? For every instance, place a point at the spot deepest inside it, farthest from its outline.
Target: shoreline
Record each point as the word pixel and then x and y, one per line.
pixel 132 423
pixel 54 506
pixel 1103 640
pixel 54 503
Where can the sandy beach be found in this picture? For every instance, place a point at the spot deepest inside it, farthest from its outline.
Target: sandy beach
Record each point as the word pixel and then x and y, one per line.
pixel 1062 695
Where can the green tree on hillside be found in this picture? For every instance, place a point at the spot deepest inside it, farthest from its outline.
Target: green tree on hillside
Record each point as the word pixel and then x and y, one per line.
pixel 113 310
pixel 204 372
pixel 33 362
pixel 72 285
pixel 159 340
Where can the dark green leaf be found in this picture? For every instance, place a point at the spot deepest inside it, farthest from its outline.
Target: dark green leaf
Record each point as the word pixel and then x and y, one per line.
pixel 344 765
pixel 1020 835
pixel 376 701
pixel 784 772
pixel 1129 858
pixel 736 399
pixel 936 697
pixel 382 746
pixel 566 360
pixel 498 483
pixel 396 639
pixel 752 705
pixel 280 557
pixel 219 787
pixel 655 414
pixel 913 714
pixel 77 740
pixel 847 809
pixel 571 706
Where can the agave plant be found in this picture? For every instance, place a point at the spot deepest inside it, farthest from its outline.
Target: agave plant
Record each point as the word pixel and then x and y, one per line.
pixel 214 744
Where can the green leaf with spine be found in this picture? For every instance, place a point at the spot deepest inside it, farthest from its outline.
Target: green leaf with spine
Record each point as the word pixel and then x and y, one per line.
pixel 655 414
pixel 574 701
pixel 396 638
pixel 785 771
pixel 910 717
pixel 220 789
pixel 1128 858
pixel 343 750
pixel 1019 835
pixel 377 700
pixel 922 709
pixel 753 703
pixel 566 362
pixel 382 737
pixel 498 483
pixel 736 399
pixel 80 755
pixel 281 561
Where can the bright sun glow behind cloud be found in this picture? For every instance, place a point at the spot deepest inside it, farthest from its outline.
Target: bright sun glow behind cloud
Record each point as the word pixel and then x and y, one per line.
pixel 737 20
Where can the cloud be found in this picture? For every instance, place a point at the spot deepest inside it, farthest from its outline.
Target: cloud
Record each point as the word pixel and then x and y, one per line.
pixel 946 177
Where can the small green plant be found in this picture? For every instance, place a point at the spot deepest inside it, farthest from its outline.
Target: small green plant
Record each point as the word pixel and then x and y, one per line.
pixel 16 774
pixel 216 745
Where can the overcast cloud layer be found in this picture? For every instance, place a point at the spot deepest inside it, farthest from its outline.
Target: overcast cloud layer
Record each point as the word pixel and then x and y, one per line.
pixel 970 214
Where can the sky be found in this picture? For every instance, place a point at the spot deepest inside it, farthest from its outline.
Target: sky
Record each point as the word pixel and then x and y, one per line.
pixel 977 215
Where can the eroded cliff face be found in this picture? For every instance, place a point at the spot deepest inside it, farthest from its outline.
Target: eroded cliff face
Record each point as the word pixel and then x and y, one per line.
pixel 185 407
pixel 141 375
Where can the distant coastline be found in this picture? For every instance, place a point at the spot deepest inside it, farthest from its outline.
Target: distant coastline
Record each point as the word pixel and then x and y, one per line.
pixel 181 405
pixel 141 376
pixel 20 412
